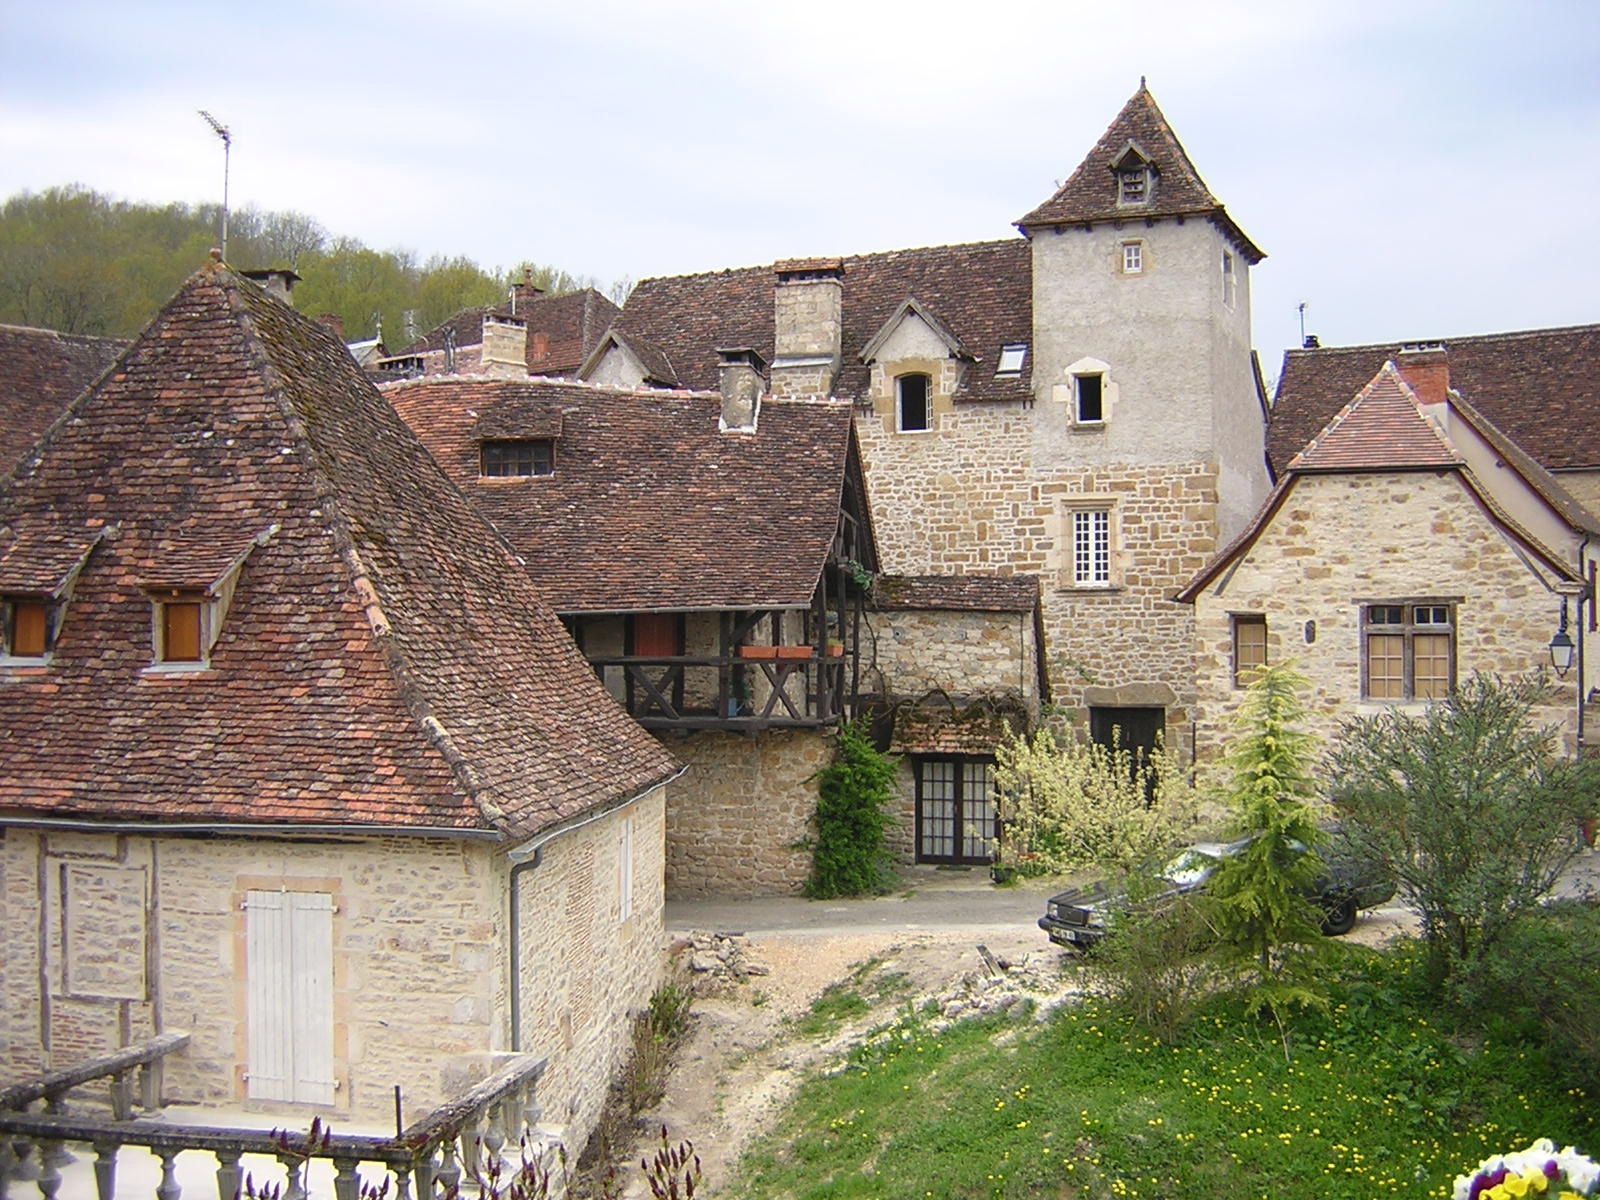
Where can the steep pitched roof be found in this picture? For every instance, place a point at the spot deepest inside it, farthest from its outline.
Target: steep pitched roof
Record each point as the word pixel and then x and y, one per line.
pixel 982 293
pixel 1382 429
pixel 40 372
pixel 562 330
pixel 1541 387
pixel 384 661
pixel 650 505
pixel 1090 193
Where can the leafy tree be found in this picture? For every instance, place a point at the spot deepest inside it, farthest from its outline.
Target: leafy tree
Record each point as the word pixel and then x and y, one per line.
pixel 1259 895
pixel 1468 805
pixel 850 852
pixel 1067 802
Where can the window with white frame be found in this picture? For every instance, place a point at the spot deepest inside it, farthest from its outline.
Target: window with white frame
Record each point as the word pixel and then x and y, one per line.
pixel 1091 547
pixel 911 407
pixel 1407 650
pixel 1132 258
pixel 1011 359
pixel 1089 398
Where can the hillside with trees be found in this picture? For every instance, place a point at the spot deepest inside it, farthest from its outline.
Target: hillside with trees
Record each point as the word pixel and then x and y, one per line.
pixel 77 261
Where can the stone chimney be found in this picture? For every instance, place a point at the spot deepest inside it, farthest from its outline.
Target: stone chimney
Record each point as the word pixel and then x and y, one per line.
pixel 505 347
pixel 742 374
pixel 807 303
pixel 334 322
pixel 275 281
pixel 1425 366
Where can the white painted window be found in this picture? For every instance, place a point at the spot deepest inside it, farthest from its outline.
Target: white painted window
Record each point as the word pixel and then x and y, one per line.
pixel 1011 359
pixel 1132 258
pixel 625 869
pixel 912 413
pixel 1089 399
pixel 289 989
pixel 1091 546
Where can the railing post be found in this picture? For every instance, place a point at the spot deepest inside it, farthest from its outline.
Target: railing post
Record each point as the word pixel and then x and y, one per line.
pixel 105 1169
pixel 50 1158
pixel 228 1173
pixel 449 1171
pixel 150 1085
pixel 169 1188
pixel 8 1161
pixel 295 1189
pixel 122 1095
pixel 345 1178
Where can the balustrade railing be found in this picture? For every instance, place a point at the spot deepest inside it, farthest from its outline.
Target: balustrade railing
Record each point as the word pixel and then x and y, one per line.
pixel 424 1161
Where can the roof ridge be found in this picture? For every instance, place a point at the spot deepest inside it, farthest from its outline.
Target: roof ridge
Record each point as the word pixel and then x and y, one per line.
pixel 1394 343
pixel 846 259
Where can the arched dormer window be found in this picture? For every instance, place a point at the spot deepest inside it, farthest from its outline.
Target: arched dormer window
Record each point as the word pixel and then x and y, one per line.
pixel 911 408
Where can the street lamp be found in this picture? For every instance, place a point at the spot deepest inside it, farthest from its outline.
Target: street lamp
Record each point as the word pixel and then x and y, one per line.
pixel 1561 647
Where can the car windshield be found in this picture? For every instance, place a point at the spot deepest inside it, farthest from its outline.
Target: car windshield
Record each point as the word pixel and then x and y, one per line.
pixel 1189 867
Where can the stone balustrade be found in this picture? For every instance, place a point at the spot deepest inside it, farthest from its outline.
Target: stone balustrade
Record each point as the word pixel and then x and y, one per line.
pixel 426 1160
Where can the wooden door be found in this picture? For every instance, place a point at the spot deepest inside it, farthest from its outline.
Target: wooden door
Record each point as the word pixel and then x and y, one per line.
pixel 289 989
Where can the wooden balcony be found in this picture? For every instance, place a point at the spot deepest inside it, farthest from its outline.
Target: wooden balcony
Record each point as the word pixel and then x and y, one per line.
pixel 806 688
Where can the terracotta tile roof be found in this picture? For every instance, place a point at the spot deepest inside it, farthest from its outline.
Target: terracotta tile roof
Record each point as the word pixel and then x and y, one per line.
pixel 1541 387
pixel 1090 194
pixel 383 662
pixel 938 725
pixel 969 593
pixel 1382 429
pixel 562 330
pixel 650 506
pixel 40 372
pixel 982 293
pixel 41 560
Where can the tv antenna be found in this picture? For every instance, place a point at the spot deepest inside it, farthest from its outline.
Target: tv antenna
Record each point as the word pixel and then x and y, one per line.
pixel 221 130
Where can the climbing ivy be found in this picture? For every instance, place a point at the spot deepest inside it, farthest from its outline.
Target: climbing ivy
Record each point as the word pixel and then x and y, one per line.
pixel 850 852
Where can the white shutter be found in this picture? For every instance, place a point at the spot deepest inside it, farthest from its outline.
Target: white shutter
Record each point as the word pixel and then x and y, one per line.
pixel 289 989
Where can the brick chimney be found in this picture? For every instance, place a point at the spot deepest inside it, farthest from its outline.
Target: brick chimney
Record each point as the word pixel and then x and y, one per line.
pixel 1425 366
pixel 524 293
pixel 807 302
pixel 742 375
pixel 505 347
pixel 334 322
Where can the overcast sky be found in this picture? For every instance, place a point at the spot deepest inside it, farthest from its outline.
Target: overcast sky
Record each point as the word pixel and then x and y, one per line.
pixel 1413 168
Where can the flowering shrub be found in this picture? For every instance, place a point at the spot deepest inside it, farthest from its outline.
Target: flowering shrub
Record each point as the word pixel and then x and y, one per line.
pixel 1540 1170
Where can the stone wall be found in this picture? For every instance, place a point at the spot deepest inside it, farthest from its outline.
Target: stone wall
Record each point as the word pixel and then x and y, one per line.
pixel 1341 540
pixel 734 816
pixel 420 953
pixel 910 653
pixel 589 961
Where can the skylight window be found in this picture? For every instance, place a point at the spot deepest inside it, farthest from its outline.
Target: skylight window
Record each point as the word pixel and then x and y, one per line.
pixel 1011 359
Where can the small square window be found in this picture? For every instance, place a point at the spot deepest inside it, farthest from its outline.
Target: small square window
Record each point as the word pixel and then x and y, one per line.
pixel 181 636
pixel 28 628
pixel 1011 359
pixel 522 456
pixel 1088 394
pixel 1132 258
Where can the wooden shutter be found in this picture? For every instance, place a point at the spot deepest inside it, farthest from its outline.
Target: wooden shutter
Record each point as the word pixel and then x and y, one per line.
pixel 289 950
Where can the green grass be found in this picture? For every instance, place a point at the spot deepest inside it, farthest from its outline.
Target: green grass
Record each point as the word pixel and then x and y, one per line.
pixel 867 986
pixel 1371 1099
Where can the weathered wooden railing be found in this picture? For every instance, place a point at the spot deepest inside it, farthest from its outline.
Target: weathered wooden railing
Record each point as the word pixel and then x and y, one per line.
pixel 738 692
pixel 430 1157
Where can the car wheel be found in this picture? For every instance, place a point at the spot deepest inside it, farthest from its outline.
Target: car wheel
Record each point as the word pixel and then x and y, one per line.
pixel 1339 917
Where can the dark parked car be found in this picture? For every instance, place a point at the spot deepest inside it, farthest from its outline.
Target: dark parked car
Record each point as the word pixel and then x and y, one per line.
pixel 1082 916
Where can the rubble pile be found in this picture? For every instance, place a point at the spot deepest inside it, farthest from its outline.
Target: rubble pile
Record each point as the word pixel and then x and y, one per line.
pixel 1000 985
pixel 717 964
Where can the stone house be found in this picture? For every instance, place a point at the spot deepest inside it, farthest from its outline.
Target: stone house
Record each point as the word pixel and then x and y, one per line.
pixel 1407 545
pixel 296 759
pixel 41 371
pixel 708 555
pixel 1079 403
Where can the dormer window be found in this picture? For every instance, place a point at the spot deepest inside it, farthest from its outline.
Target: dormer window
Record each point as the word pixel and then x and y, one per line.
pixel 1133 185
pixel 29 627
pixel 190 580
pixel 181 635
pixel 511 457
pixel 1011 360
